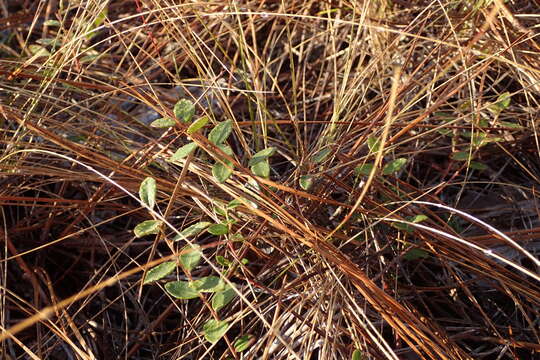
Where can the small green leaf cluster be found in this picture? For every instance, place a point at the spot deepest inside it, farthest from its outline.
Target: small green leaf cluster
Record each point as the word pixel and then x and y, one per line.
pixel 147 195
pixel 222 293
pixel 190 257
pixel 478 137
pixel 223 168
pixel 259 163
pixel 306 181
pixel 390 168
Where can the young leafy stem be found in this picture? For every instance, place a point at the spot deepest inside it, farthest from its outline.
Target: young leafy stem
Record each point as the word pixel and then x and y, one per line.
pixel 222 293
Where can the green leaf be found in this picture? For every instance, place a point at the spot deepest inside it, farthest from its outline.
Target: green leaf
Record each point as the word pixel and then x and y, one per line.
pixel 306 181
pixel 261 156
pixel 418 218
pixel 184 110
pixel 47 42
pixel 218 229
pixel 100 18
pixel 357 355
pixel 234 203
pixel 243 343
pixel 52 23
pixel 163 123
pixel 220 210
pixel 190 256
pixel 262 169
pixel 159 272
pixel 510 125
pixel 147 192
pixel 222 298
pixel 221 260
pixel 221 132
pixel 321 155
pixel 147 227
pixel 227 150
pixel 460 156
pixel 477 166
pixel 193 230
pixel 38 50
pixel 214 330
pixel 237 237
pixel 478 139
pixel 483 123
pixel 208 284
pixel 364 169
pixel 183 152
pixel 394 166
pixel 197 125
pixel 373 143
pixel 181 290
pixel 221 172
pixel 503 101
pixel 415 254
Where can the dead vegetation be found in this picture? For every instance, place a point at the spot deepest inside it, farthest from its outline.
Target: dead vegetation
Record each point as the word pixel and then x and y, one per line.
pixel 400 219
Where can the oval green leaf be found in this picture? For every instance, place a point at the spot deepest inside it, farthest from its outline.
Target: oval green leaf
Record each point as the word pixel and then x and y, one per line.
pixel 394 166
pixel 183 152
pixel 163 123
pixel 262 156
pixel 262 169
pixel 147 192
pixel 357 355
pixel 221 172
pixel 192 230
pixel 218 229
pixel 222 298
pixel 159 272
pixel 208 284
pixel 364 169
pixel 214 330
pixel 37 50
pixel 243 343
pixel 197 125
pixel 221 132
pixel 418 218
pixel 321 155
pixel 373 143
pixel 221 260
pixel 306 181
pixel 477 166
pixel 510 125
pixel 235 203
pixel 147 227
pixel 502 103
pixel 52 23
pixel 190 256
pixel 181 290
pixel 184 110
pixel 460 156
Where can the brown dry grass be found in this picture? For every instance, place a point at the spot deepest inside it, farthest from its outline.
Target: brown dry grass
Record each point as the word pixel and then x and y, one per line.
pixel 331 269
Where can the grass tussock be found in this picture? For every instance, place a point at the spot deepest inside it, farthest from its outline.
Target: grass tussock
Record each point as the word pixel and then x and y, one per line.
pixel 395 215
